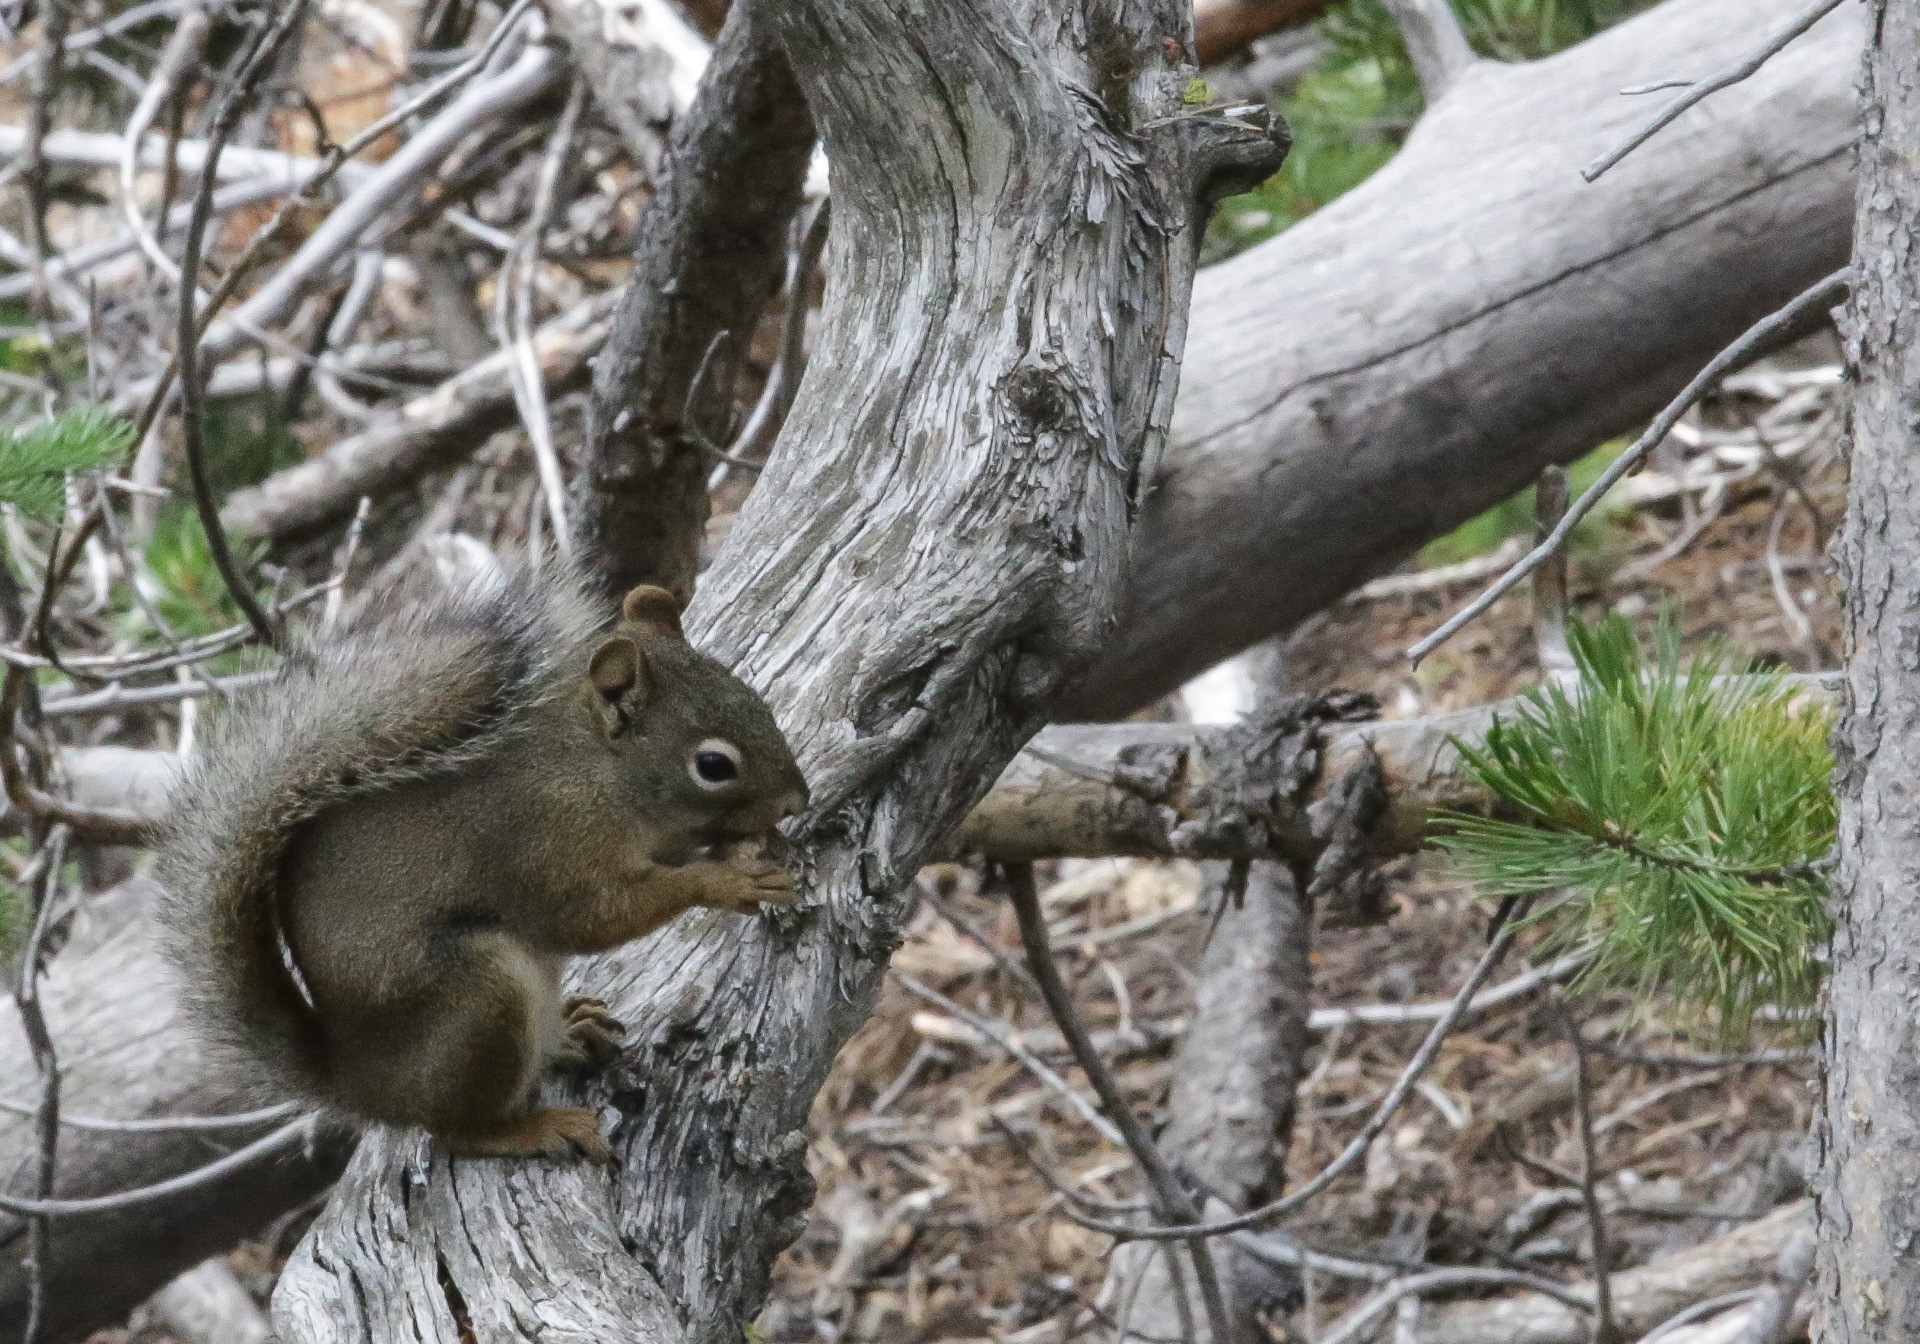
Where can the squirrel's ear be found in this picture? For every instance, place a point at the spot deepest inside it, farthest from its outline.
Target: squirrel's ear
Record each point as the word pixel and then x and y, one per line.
pixel 618 671
pixel 654 610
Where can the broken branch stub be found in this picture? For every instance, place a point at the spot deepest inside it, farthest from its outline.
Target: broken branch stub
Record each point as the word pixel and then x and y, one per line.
pixel 933 551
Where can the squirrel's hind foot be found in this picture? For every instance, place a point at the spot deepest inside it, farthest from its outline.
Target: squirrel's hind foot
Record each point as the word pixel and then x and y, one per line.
pixel 591 1032
pixel 563 1133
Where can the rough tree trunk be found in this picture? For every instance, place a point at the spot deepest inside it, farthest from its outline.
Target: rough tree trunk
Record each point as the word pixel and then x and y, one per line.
pixel 1418 350
pixel 1870 1185
pixel 934 548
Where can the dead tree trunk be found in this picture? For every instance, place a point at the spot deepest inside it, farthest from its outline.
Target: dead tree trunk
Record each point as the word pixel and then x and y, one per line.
pixel 933 550
pixel 1870 1184
pixel 1418 350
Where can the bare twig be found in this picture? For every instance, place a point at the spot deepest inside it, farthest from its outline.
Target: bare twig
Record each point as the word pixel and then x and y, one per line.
pixel 1696 1312
pixel 1355 1323
pixel 513 320
pixel 281 1140
pixel 176 59
pixel 260 60
pixel 1006 1041
pixel 1756 337
pixel 56 16
pixel 1170 1195
pixel 1550 580
pixel 33 1020
pixel 94 825
pixel 1699 92
pixel 1357 1147
pixel 1604 1331
pixel 165 1124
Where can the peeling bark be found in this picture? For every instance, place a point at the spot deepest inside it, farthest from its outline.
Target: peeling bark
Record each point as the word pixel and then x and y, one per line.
pixel 1869 1276
pixel 935 548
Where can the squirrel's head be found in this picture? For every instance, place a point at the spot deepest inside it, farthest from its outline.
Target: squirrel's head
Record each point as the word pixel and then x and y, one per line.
pixel 693 736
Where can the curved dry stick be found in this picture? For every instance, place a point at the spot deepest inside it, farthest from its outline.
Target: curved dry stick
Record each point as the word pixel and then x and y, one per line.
pixel 282 1139
pixel 1696 93
pixel 1398 1093
pixel 1171 1195
pixel 1756 338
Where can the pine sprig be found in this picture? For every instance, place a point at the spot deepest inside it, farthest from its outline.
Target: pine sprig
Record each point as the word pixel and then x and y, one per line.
pixel 1685 812
pixel 34 462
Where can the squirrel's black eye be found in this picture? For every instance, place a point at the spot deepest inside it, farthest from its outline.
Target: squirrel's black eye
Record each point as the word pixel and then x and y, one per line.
pixel 714 762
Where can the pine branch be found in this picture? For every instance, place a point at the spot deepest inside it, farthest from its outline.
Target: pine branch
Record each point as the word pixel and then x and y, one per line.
pixel 1686 814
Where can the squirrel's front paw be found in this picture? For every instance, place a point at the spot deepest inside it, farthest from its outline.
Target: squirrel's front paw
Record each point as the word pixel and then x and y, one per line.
pixel 591 1032
pixel 754 882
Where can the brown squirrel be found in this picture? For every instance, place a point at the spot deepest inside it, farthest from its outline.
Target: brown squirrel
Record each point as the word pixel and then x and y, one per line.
pixel 380 860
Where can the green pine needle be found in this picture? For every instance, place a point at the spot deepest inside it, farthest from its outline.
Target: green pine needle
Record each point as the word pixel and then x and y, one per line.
pixel 34 462
pixel 1685 813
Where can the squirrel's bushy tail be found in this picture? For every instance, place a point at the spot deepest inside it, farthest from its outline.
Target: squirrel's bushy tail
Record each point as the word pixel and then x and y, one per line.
pixel 403 694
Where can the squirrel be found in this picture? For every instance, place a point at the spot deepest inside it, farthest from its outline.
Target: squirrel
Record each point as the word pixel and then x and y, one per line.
pixel 378 862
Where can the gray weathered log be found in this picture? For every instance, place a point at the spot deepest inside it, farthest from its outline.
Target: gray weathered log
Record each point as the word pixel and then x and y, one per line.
pixel 207 1305
pixel 629 82
pixel 128 1055
pixel 1421 348
pixel 1869 1275
pixel 1642 1298
pixel 934 549
pixel 1234 1077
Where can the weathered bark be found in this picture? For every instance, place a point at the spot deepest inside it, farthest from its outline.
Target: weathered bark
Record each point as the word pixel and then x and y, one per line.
pixel 934 548
pixel 712 246
pixel 1421 348
pixel 127 1053
pixel 1869 1276
pixel 1234 1077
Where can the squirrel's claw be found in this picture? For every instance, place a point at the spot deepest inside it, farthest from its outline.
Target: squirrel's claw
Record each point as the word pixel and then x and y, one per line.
pixel 591 1042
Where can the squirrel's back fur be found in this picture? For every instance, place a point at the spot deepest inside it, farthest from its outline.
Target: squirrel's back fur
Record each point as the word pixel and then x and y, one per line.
pixel 406 693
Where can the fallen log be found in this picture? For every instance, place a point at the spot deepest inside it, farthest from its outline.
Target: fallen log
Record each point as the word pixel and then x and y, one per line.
pixel 1642 1298
pixel 1418 350
pixel 127 1055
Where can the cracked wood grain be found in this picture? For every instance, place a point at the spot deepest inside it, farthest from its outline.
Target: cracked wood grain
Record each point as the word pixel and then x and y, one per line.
pixel 934 549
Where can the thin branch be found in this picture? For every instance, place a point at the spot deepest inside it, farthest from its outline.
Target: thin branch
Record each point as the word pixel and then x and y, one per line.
pixel 1355 1323
pixel 164 1124
pixel 1171 1196
pixel 1604 1330
pixel 1696 93
pixel 1357 1147
pixel 513 320
pixel 98 826
pixel 281 1140
pixel 56 16
pixel 261 60
pixel 33 1021
pixel 1755 338
pixel 1550 580
pixel 181 53
pixel 1697 1311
